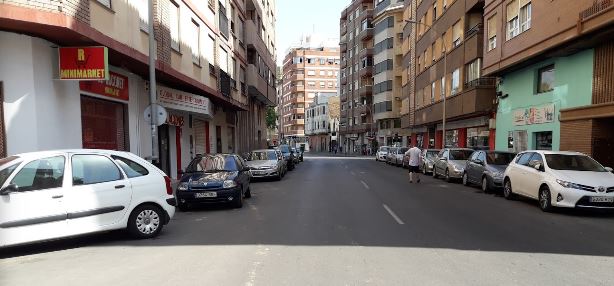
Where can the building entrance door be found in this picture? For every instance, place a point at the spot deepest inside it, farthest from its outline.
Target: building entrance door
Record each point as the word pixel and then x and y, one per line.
pixel 164 147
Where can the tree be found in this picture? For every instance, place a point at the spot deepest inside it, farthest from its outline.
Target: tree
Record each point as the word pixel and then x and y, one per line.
pixel 271 118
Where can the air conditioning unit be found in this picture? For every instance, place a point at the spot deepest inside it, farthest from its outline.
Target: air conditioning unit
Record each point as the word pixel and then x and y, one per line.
pixel 492 123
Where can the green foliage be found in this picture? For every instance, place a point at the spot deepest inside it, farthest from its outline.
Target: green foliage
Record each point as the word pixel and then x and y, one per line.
pixel 271 118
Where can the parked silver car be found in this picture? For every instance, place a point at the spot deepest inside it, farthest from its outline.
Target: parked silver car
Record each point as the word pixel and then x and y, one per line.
pixel 392 153
pixel 381 154
pixel 428 160
pixel 266 164
pixel 451 162
pixel 397 158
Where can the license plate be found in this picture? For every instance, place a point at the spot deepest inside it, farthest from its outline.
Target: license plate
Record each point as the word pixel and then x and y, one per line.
pixel 206 195
pixel 257 172
pixel 601 199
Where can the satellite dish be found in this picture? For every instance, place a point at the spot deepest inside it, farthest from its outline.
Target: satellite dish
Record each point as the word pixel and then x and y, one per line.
pixel 160 111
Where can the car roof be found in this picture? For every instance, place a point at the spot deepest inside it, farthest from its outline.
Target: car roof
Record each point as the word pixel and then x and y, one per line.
pixel 459 149
pixel 546 152
pixel 38 154
pixel 265 150
pixel 496 151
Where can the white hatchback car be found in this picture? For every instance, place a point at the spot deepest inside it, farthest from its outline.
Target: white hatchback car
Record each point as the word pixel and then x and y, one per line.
pixel 560 179
pixel 54 194
pixel 382 153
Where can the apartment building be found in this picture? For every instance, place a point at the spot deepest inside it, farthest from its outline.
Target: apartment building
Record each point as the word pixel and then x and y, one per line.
pixel 308 69
pixel 452 86
pixel 408 76
pixel 322 122
pixel 388 25
pixel 556 69
pixel 357 130
pixel 212 71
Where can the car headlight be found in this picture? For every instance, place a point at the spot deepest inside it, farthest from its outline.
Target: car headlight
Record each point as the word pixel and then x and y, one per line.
pixel 182 187
pixel 566 184
pixel 457 168
pixel 497 174
pixel 229 184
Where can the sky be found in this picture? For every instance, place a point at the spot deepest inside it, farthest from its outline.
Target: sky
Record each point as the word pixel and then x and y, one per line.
pixel 298 17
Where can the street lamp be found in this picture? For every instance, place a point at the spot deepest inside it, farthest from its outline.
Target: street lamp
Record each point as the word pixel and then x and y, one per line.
pixel 445 68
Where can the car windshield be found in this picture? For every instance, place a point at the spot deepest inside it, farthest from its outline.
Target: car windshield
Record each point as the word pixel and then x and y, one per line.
pixel 383 149
pixel 212 163
pixel 403 150
pixel 460 154
pixel 262 155
pixel 494 158
pixel 431 154
pixel 573 163
pixel 8 165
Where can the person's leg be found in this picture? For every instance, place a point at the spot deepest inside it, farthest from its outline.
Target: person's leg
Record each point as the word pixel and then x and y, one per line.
pixel 411 175
pixel 417 171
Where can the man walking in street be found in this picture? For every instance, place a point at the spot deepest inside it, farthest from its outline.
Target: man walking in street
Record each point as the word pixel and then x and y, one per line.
pixel 414 163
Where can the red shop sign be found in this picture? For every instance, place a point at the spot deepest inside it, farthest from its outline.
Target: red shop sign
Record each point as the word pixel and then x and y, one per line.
pixel 174 120
pixel 115 87
pixel 84 63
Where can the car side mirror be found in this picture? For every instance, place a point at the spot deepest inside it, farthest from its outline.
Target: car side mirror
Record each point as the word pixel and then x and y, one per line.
pixel 12 188
pixel 479 162
pixel 537 166
pixel 609 169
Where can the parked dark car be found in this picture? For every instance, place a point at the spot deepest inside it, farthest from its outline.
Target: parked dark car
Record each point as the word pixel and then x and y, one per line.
pixel 288 156
pixel 296 154
pixel 486 168
pixel 222 178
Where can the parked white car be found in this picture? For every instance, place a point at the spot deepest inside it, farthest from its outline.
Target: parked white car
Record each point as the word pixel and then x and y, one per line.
pixel 55 194
pixel 560 179
pixel 382 154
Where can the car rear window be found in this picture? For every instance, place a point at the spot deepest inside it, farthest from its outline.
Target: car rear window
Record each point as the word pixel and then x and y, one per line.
pixel 495 158
pixel 131 168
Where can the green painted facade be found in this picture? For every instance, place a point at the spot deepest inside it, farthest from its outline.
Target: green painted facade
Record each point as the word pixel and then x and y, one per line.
pixel 573 77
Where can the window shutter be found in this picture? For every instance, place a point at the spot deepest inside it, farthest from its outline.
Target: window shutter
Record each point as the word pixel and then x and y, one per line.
pixel 512 10
pixel 492 26
pixel 523 3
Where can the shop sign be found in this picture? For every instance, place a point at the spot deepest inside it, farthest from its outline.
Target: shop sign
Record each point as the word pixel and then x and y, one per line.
pixel 175 120
pixel 116 87
pixel 180 100
pixel 84 63
pixel 534 115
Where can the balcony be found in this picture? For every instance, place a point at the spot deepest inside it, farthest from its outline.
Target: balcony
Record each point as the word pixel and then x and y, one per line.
pixel 366 71
pixel 365 90
pixel 365 53
pixel 343 46
pixel 365 34
pixel 596 8
pixel 253 41
pixel 406 121
pixel 344 113
pixel 344 30
pixel 344 63
pixel 297 77
pixel 343 97
pixel 297 110
pixel 344 80
pixel 258 88
pixel 297 88
pixel 365 14
pixel 297 122
pixel 362 110
pixel 476 99
pixel 474 44
pixel 361 128
pixel 297 99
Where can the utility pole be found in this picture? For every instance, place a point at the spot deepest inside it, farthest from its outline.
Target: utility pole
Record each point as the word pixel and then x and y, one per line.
pixel 152 85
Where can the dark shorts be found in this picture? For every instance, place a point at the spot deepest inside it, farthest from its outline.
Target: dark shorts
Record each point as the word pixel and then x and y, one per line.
pixel 414 169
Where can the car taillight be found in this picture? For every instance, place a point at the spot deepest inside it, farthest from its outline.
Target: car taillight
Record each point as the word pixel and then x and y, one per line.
pixel 169 189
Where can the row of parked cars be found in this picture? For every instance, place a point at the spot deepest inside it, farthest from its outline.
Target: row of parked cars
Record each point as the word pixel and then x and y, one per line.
pixel 56 194
pixel 553 178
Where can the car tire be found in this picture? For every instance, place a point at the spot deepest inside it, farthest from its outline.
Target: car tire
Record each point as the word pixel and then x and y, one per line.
pixel 279 177
pixel 447 176
pixel 425 170
pixel 248 193
pixel 182 207
pixel 507 190
pixel 434 172
pixel 545 199
pixel 146 221
pixel 485 187
pixel 238 203
pixel 465 179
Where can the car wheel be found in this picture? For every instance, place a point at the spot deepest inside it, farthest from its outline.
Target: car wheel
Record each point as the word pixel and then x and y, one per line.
pixel 279 176
pixel 434 172
pixel 248 194
pixel 465 179
pixel 507 190
pixel 545 202
pixel 182 207
pixel 448 179
pixel 146 221
pixel 424 170
pixel 238 203
pixel 485 187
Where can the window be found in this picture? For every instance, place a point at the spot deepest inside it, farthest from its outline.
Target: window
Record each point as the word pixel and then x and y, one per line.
pixel 223 59
pixel 473 70
pixel 40 174
pixel 442 91
pixel 457 33
pixel 322 84
pixel 455 81
pixel 131 168
pixel 492 32
pixel 434 11
pixel 445 4
pixel 545 79
pixel 538 158
pixel 525 16
pixel 195 43
pixel 144 15
pixel 93 169
pixel 174 20
pixel 543 140
pixel 523 159
pixel 322 73
pixel 106 3
pixel 433 92
pixel 311 72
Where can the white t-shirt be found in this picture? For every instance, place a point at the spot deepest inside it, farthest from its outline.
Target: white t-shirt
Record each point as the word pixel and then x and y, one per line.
pixel 414 156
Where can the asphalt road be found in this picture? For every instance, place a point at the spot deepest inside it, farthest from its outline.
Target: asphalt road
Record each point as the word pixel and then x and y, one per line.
pixel 340 221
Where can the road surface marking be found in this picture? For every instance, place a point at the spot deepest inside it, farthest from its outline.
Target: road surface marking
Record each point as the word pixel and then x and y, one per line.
pixel 399 221
pixel 365 184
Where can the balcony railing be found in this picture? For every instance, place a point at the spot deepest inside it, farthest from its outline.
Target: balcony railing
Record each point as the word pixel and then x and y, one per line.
pixel 474 30
pixel 483 82
pixel 598 6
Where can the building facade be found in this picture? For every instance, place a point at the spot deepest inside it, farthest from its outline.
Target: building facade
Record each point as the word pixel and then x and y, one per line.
pixel 555 68
pixel 308 69
pixel 449 82
pixel 202 77
pixel 356 79
pixel 322 122
pixel 408 76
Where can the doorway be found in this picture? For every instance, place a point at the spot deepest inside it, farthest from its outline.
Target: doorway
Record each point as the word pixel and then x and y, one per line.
pixel 164 149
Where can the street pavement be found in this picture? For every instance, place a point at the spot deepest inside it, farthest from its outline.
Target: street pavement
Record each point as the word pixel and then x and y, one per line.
pixel 340 221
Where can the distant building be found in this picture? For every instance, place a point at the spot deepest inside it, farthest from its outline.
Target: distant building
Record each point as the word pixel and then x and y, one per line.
pixel 322 122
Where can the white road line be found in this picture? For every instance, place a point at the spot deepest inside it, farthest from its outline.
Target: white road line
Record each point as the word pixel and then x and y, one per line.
pixel 399 221
pixel 365 184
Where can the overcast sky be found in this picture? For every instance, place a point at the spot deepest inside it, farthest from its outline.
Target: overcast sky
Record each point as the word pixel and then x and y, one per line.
pixel 296 17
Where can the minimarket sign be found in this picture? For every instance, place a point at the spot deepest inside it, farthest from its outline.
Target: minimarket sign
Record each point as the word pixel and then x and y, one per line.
pixel 84 63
